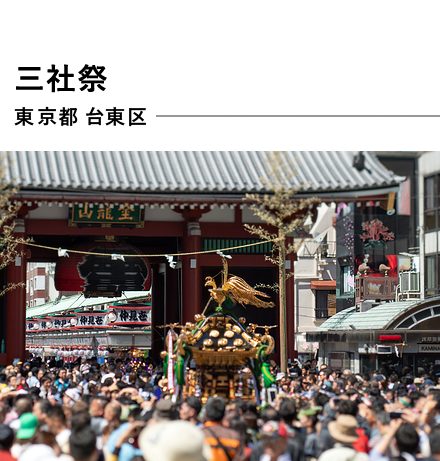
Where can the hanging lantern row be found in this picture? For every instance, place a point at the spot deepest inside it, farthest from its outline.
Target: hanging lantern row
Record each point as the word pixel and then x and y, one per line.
pixel 74 351
pixel 36 350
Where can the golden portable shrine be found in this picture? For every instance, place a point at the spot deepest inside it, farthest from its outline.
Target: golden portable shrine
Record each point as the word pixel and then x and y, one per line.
pixel 231 359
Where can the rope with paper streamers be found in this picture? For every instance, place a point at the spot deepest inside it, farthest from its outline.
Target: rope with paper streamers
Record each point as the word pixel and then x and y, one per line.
pixel 65 252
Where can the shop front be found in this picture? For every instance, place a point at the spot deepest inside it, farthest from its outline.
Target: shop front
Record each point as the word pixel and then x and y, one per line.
pixel 388 336
pixel 90 327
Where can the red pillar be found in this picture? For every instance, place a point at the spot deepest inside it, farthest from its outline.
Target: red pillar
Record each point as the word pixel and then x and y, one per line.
pixel 16 302
pixel 191 272
pixel 290 306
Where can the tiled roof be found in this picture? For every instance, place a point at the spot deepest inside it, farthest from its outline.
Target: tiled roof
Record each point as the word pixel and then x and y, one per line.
pixel 190 172
pixel 377 318
pixel 70 303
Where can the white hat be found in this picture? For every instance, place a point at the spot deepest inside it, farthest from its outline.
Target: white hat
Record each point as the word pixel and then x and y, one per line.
pixel 174 441
pixel 38 452
pixel 280 376
pixel 73 393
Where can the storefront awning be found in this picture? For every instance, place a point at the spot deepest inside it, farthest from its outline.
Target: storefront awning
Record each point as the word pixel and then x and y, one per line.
pixel 323 284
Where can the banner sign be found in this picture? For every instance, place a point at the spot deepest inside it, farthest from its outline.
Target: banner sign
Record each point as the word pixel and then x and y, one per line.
pixel 92 319
pixel 48 324
pixel 135 316
pixel 106 215
pixel 432 348
pixel 131 315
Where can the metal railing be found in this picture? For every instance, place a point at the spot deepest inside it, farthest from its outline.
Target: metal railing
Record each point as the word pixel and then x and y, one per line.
pixel 324 249
pixel 321 313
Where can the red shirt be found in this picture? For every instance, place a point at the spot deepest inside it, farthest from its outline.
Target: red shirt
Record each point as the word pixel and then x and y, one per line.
pixel 361 443
pixel 6 456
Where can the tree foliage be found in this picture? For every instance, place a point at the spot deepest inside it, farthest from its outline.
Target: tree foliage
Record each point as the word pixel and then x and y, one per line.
pixel 279 208
pixel 10 245
pixel 281 211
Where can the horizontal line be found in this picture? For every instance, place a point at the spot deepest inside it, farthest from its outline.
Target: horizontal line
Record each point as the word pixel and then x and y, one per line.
pixel 61 78
pixel 301 116
pixel 80 116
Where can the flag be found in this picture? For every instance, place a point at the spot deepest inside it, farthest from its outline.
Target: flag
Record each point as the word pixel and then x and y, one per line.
pixel 170 375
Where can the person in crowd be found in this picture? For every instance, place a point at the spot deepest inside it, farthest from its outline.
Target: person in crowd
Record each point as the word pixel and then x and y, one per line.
pixel 405 438
pixel 190 410
pixel 225 443
pixel 28 427
pixel 23 404
pixel 434 443
pixel 174 440
pixel 70 396
pixel 41 410
pixel 274 444
pixel 11 382
pixel 98 422
pixel 82 445
pixel 6 441
pixel 308 418
pixel 32 379
pixel 45 385
pixel 343 432
pixel 61 382
pixel 57 425
pixel 43 447
pixel 312 417
pixel 111 369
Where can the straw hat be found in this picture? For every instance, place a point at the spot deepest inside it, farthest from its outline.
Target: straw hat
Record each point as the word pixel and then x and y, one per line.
pixel 174 441
pixel 343 429
pixel 164 410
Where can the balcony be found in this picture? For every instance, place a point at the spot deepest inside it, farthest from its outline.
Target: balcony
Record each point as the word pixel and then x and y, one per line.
pixel 323 249
pixel 380 288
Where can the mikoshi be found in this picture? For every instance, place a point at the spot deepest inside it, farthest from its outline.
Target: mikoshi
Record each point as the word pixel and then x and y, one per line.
pixel 231 359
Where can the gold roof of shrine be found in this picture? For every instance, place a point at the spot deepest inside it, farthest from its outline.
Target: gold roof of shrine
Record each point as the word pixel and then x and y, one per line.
pixel 220 340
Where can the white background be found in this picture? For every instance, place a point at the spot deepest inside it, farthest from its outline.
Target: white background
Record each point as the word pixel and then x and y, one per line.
pixel 228 57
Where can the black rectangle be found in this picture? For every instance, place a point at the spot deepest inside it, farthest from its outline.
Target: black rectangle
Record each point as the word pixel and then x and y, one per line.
pixel 80 116
pixel 61 78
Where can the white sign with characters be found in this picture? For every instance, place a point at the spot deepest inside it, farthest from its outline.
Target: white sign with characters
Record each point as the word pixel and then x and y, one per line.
pixel 428 348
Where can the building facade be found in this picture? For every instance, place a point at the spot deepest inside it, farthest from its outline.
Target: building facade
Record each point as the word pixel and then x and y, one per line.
pixel 148 205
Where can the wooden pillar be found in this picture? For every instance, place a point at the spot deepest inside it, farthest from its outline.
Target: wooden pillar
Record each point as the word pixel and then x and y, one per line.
pixel 191 272
pixel 290 307
pixel 16 302
pixel 157 313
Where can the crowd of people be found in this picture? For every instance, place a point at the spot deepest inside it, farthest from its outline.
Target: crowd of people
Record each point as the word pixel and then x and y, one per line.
pixel 85 411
